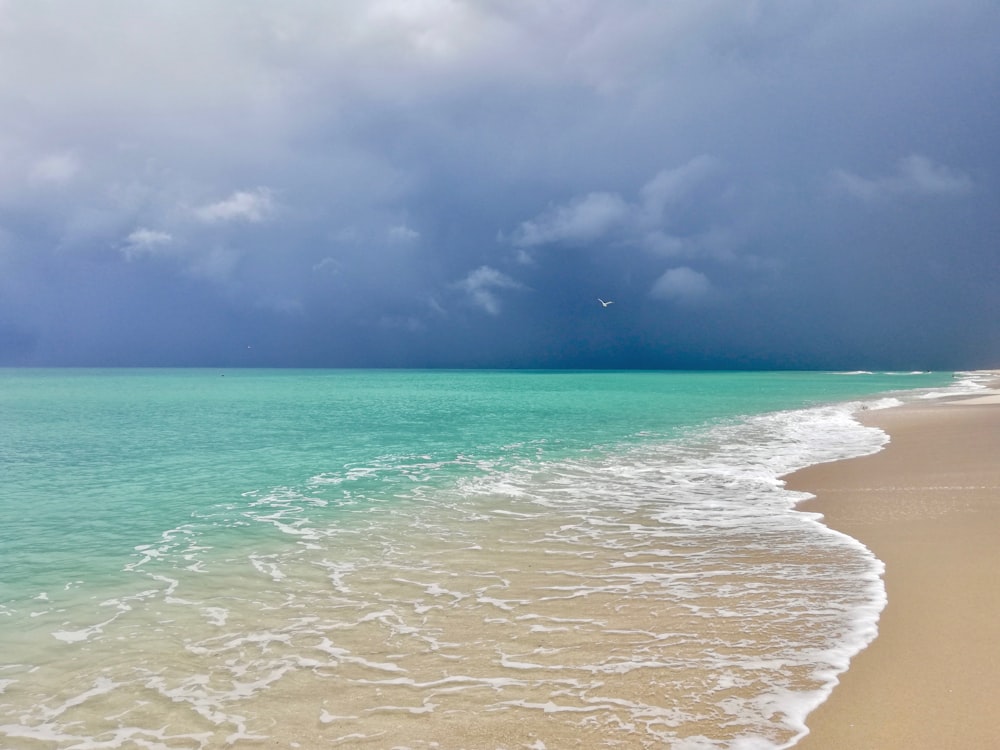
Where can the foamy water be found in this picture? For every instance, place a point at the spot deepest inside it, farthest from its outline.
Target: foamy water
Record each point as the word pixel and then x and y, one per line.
pixel 661 594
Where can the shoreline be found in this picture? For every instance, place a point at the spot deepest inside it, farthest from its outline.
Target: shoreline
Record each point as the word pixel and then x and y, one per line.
pixel 928 506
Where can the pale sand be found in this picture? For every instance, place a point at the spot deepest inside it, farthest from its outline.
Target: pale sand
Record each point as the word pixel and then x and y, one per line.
pixel 929 507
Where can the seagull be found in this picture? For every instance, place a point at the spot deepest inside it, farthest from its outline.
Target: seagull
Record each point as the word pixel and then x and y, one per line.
pixel 609 302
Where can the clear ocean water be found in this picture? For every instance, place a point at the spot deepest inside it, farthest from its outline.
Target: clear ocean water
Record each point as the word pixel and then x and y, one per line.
pixel 475 559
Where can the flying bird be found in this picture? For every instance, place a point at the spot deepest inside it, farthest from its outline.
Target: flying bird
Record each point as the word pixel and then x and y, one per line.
pixel 609 302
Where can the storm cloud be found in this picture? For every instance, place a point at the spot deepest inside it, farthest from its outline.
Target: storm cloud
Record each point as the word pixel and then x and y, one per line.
pixel 448 183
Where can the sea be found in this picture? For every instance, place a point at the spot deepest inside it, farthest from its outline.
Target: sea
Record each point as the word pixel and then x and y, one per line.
pixel 200 558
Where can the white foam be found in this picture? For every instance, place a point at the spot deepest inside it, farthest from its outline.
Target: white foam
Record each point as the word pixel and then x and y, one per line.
pixel 267 566
pixel 883 403
pixel 216 615
pixel 83 634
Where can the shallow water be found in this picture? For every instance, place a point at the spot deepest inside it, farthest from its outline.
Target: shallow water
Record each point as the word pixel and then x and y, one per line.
pixel 426 560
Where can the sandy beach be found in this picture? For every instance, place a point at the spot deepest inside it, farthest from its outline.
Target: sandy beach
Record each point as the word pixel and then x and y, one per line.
pixel 928 505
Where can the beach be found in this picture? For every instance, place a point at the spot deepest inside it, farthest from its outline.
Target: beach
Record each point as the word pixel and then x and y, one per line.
pixel 928 506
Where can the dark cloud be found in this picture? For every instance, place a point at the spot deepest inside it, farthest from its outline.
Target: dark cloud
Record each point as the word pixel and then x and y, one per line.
pixel 389 183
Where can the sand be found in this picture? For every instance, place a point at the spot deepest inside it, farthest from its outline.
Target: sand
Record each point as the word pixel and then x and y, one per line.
pixel 929 507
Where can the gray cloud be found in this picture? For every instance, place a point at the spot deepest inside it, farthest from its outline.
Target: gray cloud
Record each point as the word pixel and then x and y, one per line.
pixel 144 241
pixel 321 177
pixel 645 222
pixel 54 169
pixel 402 233
pixel 670 186
pixel 683 285
pixel 915 175
pixel 482 286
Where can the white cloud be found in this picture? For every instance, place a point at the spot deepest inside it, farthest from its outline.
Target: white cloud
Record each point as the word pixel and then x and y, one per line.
pixel 482 284
pixel 682 285
pixel 145 242
pixel 243 205
pixel 403 234
pixel 582 220
pixel 604 216
pixel 915 175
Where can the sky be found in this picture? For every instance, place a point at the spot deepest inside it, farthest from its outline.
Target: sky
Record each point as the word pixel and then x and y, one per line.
pixel 455 183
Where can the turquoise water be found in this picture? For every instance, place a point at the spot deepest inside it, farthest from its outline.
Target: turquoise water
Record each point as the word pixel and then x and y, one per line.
pixel 96 462
pixel 191 501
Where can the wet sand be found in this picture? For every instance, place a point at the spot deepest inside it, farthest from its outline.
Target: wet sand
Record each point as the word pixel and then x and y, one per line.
pixel 928 505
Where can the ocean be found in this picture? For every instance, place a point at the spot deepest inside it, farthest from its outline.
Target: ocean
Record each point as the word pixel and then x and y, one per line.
pixel 197 559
